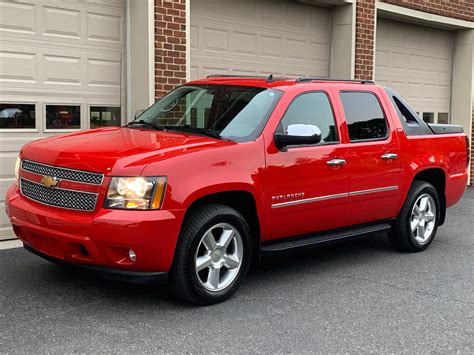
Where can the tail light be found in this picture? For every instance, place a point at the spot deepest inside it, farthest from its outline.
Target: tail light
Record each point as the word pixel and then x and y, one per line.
pixel 468 152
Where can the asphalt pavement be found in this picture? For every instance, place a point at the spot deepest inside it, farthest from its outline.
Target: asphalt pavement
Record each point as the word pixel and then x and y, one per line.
pixel 360 296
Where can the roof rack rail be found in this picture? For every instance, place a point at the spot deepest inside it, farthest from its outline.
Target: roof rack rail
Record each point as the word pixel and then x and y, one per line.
pixel 269 78
pixel 308 78
pixel 236 76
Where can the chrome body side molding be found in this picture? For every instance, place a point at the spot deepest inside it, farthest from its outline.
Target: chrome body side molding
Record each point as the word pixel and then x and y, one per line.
pixel 332 197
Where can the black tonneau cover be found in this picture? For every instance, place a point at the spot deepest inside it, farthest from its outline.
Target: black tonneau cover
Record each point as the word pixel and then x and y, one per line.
pixel 445 128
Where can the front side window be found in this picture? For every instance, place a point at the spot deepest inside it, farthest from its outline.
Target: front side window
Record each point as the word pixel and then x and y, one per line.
pixel 17 115
pixel 313 109
pixel 63 117
pixel 364 116
pixel 224 111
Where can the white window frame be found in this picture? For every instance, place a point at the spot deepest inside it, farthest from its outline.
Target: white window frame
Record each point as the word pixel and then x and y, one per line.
pixel 66 130
pixel 23 130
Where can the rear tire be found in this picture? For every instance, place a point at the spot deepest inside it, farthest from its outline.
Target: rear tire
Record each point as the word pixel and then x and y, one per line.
pixel 417 224
pixel 213 255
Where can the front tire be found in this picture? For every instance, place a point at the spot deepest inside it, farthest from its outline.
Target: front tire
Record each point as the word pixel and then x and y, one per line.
pixel 213 255
pixel 418 221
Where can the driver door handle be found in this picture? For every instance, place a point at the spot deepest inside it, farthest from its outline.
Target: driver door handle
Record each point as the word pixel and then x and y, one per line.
pixel 389 156
pixel 336 162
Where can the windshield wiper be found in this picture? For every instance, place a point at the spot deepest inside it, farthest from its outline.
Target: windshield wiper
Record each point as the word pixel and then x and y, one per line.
pixel 144 123
pixel 203 131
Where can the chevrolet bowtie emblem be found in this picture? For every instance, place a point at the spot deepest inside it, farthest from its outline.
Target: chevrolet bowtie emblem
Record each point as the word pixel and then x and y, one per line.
pixel 50 181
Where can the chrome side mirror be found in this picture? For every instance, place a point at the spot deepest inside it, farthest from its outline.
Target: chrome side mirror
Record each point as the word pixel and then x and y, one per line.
pixel 298 134
pixel 139 113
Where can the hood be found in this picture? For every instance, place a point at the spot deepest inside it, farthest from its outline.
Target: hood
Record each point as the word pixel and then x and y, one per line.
pixel 115 151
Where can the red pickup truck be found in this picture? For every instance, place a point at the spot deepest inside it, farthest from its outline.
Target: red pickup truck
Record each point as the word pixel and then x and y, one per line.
pixel 226 169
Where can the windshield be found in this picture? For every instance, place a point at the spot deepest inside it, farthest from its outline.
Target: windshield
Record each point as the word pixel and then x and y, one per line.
pixel 224 111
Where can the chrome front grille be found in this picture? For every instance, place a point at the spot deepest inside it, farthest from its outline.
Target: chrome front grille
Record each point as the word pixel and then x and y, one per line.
pixel 70 199
pixel 63 173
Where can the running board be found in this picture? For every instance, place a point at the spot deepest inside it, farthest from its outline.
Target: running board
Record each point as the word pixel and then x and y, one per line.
pixel 313 240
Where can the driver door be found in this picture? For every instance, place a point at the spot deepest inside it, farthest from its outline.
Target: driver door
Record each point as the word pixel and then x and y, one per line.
pixel 308 184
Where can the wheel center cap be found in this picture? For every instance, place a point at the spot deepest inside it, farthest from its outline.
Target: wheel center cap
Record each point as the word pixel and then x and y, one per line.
pixel 216 255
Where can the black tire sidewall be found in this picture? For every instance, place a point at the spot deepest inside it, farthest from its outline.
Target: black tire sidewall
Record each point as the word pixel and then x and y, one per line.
pixel 192 235
pixel 420 189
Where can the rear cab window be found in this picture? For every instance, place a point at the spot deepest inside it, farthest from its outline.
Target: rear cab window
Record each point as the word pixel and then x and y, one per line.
pixel 365 118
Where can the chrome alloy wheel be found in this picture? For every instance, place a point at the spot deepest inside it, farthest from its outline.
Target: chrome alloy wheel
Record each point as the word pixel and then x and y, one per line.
pixel 423 218
pixel 218 257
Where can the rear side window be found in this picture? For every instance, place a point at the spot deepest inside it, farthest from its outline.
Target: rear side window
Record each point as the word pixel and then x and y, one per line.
pixel 364 116
pixel 412 123
pixel 312 108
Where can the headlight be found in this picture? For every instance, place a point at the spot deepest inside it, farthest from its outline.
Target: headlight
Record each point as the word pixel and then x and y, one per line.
pixel 138 193
pixel 17 170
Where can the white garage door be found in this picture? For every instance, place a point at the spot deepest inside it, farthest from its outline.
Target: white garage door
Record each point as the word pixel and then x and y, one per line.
pixel 416 61
pixel 280 37
pixel 61 70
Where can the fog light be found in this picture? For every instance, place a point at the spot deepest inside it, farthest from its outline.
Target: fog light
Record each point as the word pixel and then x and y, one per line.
pixel 132 255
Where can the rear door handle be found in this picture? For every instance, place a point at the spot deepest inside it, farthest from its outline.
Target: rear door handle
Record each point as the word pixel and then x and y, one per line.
pixel 389 156
pixel 336 162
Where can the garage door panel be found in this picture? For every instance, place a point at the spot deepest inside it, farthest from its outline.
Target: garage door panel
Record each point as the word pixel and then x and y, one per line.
pixel 104 27
pixel 5 183
pixel 5 229
pixel 249 11
pixel 17 17
pixel 249 67
pixel 244 43
pixel 61 22
pixel 319 52
pixel 61 70
pixel 7 165
pixel 58 69
pixel 279 37
pixel 271 46
pixel 104 73
pixel 215 40
pixel 416 61
pixel 296 49
pixel 69 23
pixel 17 65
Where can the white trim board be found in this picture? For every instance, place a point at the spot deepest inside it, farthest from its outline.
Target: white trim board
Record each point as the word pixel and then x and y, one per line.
pixel 420 17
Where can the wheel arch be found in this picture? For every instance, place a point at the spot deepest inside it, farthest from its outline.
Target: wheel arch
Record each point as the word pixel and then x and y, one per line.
pixel 437 178
pixel 242 201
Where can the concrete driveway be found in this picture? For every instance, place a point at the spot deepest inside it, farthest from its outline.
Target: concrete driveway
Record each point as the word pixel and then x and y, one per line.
pixel 356 297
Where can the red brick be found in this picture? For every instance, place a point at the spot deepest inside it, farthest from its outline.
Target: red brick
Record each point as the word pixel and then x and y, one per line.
pixel 460 9
pixel 170 45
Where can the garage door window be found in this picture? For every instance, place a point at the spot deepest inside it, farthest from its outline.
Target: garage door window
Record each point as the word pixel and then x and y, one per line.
pixel 103 116
pixel 63 117
pixel 364 116
pixel 428 117
pixel 17 116
pixel 443 117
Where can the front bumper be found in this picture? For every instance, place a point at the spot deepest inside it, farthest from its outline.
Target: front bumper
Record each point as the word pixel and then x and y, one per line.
pixel 137 277
pixel 101 239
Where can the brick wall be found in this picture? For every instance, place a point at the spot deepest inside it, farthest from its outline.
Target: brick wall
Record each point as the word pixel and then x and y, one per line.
pixel 170 45
pixel 460 9
pixel 364 46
